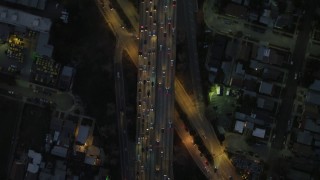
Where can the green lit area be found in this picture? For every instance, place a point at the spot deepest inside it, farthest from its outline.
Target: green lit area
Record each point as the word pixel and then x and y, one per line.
pixel 214 91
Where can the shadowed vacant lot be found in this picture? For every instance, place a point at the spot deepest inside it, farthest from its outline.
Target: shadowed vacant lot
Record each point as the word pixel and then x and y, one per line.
pixel 9 116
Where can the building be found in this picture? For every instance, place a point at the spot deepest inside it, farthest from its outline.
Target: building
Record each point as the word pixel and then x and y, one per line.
pixel 266 88
pixel 43 48
pixel 23 19
pixel 66 78
pixel 266 104
pixel 38 4
pixel 4 32
pixel 83 134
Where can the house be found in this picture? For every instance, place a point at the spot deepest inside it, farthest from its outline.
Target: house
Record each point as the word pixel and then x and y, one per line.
pixel 226 68
pixel 83 134
pixel 265 18
pixel 239 69
pixel 250 84
pixel 304 137
pixel 59 151
pixel 276 57
pixel 262 54
pixel 266 88
pixel 239 126
pixel 264 103
pixel 271 74
pixel 236 82
pixel 313 98
pixel 315 86
pixel 235 10
pixel 285 20
pixel 244 52
pixel 258 132
pixel 312 126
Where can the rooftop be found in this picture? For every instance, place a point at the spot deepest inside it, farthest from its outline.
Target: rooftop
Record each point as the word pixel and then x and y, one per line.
pixel 315 85
pixel 265 88
pixel 313 98
pixel 20 18
pixel 39 4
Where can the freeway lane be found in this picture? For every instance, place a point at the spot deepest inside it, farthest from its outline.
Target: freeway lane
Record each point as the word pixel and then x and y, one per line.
pixel 206 132
pixel 131 48
pixel 154 150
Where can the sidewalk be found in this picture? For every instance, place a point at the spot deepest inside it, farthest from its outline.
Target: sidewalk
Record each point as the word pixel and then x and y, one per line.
pixel 131 13
pixel 216 23
pixel 63 100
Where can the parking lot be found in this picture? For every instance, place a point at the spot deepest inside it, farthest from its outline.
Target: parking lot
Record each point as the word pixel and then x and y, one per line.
pixel 246 166
pixel 45 71
pixel 15 53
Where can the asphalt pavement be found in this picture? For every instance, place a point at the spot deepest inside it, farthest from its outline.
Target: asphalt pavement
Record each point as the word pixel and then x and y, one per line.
pixel 298 58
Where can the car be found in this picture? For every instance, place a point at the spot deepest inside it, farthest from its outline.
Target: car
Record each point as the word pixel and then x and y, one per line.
pixel 118 75
pixel 296 76
pixel 110 6
pixel 174 3
pixel 171 62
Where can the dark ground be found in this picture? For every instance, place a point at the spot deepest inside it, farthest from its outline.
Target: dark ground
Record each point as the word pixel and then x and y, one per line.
pixel 34 125
pixel 87 43
pixel 184 167
pixel 10 112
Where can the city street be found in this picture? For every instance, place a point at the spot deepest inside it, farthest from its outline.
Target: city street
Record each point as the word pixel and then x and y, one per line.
pixel 298 57
pixel 223 25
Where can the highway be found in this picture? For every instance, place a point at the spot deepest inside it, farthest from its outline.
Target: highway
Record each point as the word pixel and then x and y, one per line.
pixel 143 140
pixel 121 114
pixel 155 83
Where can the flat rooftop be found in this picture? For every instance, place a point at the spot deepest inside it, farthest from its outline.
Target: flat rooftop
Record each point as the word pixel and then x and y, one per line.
pixel 20 18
